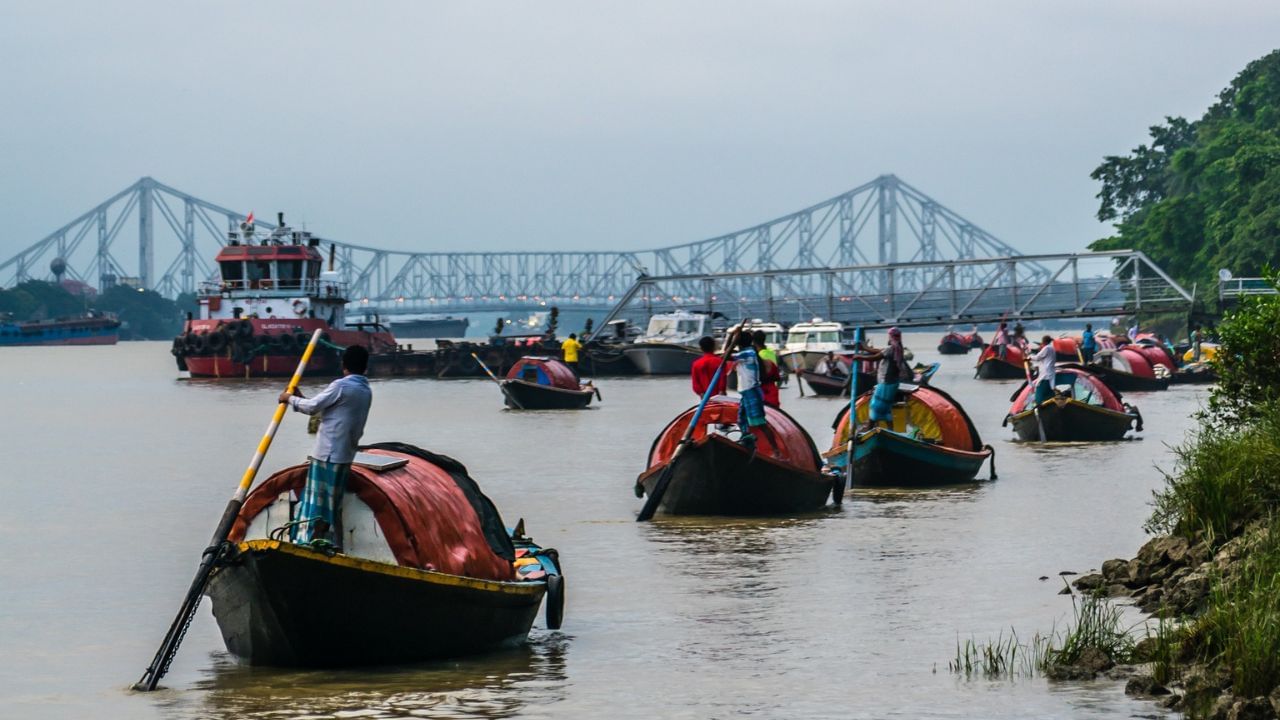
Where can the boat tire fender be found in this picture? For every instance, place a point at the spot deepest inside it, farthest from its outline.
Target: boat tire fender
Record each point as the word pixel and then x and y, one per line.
pixel 287 341
pixel 301 340
pixel 245 330
pixel 555 601
pixel 216 340
pixel 179 347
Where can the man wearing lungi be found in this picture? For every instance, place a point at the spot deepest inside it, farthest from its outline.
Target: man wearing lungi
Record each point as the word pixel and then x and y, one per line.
pixel 893 369
pixel 751 397
pixel 343 408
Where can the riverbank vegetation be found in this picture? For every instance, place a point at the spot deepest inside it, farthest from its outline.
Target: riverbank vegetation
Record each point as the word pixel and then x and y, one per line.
pixel 144 315
pixel 1203 194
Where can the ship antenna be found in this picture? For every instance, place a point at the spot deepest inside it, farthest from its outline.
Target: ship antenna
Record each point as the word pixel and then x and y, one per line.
pixel 333 247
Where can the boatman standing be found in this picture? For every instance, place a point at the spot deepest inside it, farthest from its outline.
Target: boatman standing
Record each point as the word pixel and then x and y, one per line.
pixel 1088 343
pixel 1001 341
pixel 769 373
pixel 343 408
pixel 570 349
pixel 751 397
pixel 892 371
pixel 1046 370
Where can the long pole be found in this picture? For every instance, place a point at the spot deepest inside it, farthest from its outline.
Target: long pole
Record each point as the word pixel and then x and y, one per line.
pixel 502 387
pixel 178 628
pixel 660 487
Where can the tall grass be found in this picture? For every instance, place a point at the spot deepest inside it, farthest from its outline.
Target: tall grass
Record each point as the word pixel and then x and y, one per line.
pixel 1097 625
pixel 1240 628
pixel 1221 480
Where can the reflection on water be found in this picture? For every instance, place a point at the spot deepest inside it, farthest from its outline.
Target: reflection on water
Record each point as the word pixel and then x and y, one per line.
pixel 495 685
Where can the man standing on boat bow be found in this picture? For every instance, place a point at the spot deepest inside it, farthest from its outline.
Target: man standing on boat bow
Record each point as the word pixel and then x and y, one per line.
pixel 892 371
pixel 1046 370
pixel 343 408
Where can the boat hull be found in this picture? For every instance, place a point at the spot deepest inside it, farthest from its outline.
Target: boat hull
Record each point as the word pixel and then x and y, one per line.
pixel 1128 382
pixel 796 360
pixel 448 327
pixel 661 358
pixel 887 459
pixel 717 476
pixel 828 386
pixel 1067 420
pixel 270 348
pixel 953 347
pixel 996 369
pixel 85 331
pixel 532 396
pixel 284 605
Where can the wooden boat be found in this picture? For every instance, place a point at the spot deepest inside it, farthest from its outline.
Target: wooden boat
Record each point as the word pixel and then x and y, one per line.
pixel 1195 374
pixel 1127 369
pixel 537 382
pixel 837 384
pixel 1083 408
pixel 954 343
pixel 991 367
pixel 427 570
pixel 715 475
pixel 932 442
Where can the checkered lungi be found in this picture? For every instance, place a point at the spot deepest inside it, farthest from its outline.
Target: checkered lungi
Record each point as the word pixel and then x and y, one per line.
pixel 751 409
pixel 321 500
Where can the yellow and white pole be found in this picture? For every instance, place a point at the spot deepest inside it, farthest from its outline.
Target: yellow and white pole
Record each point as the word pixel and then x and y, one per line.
pixel 178 628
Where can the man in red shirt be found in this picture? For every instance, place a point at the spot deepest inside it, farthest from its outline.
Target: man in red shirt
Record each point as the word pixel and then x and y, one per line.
pixel 704 368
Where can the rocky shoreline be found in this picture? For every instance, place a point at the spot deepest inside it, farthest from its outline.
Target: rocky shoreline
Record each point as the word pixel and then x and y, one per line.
pixel 1172 579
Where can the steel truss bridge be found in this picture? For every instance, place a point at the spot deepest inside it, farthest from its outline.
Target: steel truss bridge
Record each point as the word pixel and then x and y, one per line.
pixel 921 293
pixel 881 253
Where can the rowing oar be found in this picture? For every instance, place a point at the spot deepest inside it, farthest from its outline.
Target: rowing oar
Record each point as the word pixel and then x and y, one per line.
pixel 799 373
pixel 1035 407
pixel 660 487
pixel 187 612
pixel 494 378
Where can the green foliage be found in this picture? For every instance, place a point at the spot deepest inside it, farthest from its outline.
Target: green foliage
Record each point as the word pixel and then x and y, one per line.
pixel 144 315
pixel 39 300
pixel 1248 363
pixel 1206 194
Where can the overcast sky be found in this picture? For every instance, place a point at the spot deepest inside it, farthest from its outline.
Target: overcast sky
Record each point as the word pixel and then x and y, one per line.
pixel 548 125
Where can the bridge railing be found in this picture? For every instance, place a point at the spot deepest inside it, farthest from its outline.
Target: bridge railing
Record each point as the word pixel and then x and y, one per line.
pixel 1236 288
pixel 922 293
pixel 276 287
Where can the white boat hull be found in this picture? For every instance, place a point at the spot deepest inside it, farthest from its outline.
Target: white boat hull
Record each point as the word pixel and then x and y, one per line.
pixel 662 358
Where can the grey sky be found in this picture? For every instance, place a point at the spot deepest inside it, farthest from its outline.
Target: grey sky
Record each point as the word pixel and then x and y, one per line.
pixel 437 126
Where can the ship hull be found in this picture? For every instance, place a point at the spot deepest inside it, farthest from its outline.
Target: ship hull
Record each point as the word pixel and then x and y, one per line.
pixel 661 359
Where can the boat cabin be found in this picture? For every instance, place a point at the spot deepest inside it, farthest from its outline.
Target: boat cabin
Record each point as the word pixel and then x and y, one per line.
pixel 542 370
pixel 681 328
pixel 775 336
pixel 279 276
pixel 817 334
pixel 925 414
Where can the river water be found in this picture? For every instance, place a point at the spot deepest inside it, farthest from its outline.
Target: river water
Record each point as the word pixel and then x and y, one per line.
pixel 116 470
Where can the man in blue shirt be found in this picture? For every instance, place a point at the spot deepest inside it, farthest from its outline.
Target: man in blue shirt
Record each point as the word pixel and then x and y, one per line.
pixel 343 408
pixel 1088 343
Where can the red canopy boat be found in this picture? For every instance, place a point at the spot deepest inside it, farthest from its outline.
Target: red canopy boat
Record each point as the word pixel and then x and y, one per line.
pixel 992 367
pixel 715 475
pixel 545 383
pixel 1133 368
pixel 1082 408
pixel 427 570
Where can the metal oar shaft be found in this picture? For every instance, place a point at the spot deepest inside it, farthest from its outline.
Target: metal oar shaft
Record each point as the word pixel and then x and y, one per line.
pixel 186 612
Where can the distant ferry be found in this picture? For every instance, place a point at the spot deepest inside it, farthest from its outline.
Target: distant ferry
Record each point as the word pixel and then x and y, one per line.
pixel 431 326
pixel 87 329
pixel 258 318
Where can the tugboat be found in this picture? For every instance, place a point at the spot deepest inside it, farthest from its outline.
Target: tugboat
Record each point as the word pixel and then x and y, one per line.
pixel 273 294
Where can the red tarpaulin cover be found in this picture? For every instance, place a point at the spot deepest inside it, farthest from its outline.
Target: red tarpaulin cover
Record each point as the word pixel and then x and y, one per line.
pixel 796 446
pixel 426 518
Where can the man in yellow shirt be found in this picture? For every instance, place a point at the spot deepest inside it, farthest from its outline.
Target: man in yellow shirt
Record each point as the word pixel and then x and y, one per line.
pixel 570 348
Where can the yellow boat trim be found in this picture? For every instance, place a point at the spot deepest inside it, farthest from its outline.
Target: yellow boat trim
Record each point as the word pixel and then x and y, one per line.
pixel 431 576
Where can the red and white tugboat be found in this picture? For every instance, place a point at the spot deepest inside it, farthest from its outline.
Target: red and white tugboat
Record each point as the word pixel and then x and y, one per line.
pixel 256 321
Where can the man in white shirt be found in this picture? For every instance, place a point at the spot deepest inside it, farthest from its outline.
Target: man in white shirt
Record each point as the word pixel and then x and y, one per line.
pixel 1046 369
pixel 343 408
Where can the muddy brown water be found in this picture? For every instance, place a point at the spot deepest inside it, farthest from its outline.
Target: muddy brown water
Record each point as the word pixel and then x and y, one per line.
pixel 115 471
